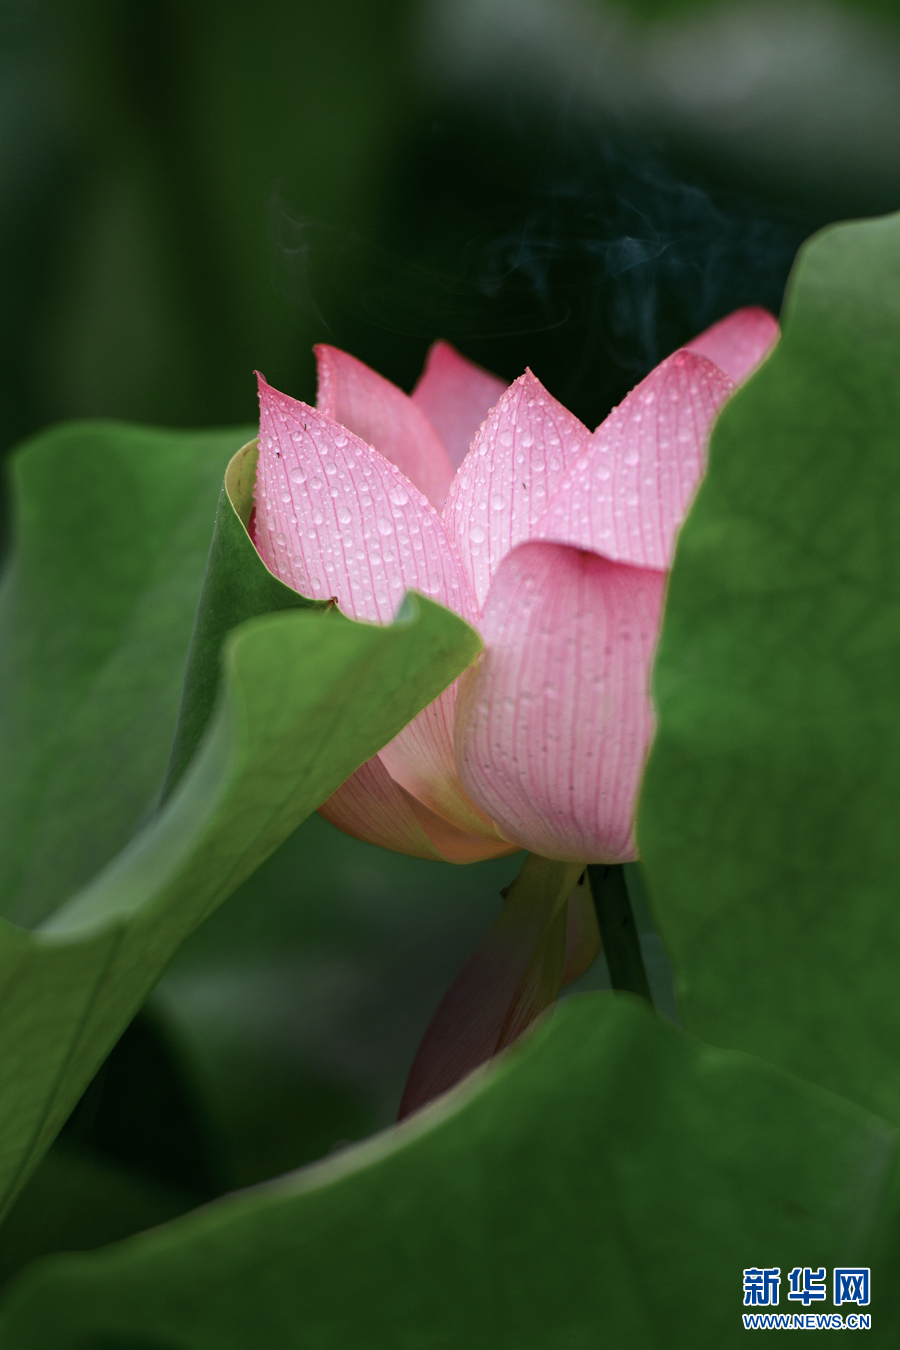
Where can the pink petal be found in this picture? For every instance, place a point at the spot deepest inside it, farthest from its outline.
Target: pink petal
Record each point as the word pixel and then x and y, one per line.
pixel 372 807
pixel 628 496
pixel 513 975
pixel 421 758
pixel 334 518
pixel 382 415
pixel 554 722
pixel 456 396
pixel 738 342
pixel 583 942
pixel 509 476
pixel 341 520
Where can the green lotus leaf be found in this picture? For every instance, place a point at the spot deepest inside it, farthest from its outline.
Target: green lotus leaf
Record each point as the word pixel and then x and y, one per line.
pixel 97 612
pixel 605 1184
pixel 237 586
pixel 769 815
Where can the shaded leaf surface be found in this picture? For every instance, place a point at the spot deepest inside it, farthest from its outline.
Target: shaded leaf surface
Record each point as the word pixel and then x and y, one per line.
pixel 769 820
pixel 606 1183
pixel 236 586
pixel 79 1199
pixel 300 1003
pixel 112 531
pixel 307 697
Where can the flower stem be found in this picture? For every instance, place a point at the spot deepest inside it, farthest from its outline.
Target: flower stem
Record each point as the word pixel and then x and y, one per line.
pixel 618 929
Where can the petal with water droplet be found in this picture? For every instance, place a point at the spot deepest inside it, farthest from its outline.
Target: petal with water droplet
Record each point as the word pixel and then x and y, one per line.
pixel 382 415
pixel 739 342
pixel 353 527
pixel 628 496
pixel 456 396
pixel 517 459
pixel 554 722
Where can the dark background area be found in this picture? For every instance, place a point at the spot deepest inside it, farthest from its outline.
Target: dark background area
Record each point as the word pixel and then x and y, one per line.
pixel 190 191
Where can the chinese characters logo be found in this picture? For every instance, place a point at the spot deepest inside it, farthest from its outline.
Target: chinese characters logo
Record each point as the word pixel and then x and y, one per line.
pixel 806 1285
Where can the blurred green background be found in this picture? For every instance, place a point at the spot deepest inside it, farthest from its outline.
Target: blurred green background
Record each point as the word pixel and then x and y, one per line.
pixel 191 191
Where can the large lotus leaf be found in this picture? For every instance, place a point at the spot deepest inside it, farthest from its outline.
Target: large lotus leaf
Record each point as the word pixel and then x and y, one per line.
pixel 111 534
pixel 605 1184
pixel 769 822
pixel 79 1199
pixel 307 698
pixel 237 585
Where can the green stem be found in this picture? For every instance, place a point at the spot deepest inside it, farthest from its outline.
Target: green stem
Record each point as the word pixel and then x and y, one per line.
pixel 618 929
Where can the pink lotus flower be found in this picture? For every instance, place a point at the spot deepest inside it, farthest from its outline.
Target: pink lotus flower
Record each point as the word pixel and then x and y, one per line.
pixel 553 541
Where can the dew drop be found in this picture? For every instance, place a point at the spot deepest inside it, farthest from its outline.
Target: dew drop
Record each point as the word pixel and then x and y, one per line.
pixel 385 526
pixel 297 476
pixel 398 495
